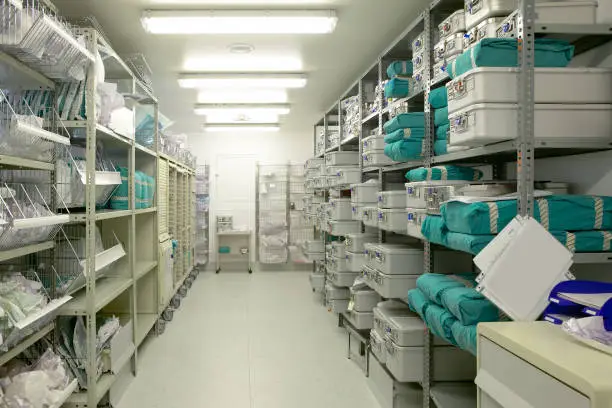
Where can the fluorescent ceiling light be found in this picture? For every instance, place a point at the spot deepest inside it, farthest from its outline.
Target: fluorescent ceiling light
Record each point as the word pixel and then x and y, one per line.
pixel 242 109
pixel 242 118
pixel 239 21
pixel 242 81
pixel 243 96
pixel 252 63
pixel 229 127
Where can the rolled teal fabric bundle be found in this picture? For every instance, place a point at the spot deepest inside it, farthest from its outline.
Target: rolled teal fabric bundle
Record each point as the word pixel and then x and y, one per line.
pixel 587 213
pixel 441 117
pixel 120 198
pixel 472 244
pixel 502 52
pixel 449 172
pixel 434 230
pixel 139 189
pixel 442 132
pixel 585 241
pixel 438 98
pixel 440 322
pixel 465 336
pixel 399 68
pixel 434 284
pixel 405 150
pixel 418 302
pixel 440 147
pixel 397 88
pixel 404 121
pixel 468 305
pixel 405 134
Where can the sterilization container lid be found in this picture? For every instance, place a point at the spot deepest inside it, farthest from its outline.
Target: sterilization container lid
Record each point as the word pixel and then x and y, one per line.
pixel 392 305
pixel 398 249
pixel 407 323
pixel 391 193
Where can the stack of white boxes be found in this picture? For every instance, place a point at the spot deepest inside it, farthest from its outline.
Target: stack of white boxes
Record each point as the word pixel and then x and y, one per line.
pixel 338 212
pixel 392 211
pixel 363 202
pixel 450 44
pixel 418 52
pixel 351 120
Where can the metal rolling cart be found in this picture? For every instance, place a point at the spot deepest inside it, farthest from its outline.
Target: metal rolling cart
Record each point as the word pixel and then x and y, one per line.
pixel 233 246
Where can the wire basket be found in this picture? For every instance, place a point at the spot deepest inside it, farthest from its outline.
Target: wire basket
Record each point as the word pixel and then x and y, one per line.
pixel 273 255
pixel 141 69
pixel 39 39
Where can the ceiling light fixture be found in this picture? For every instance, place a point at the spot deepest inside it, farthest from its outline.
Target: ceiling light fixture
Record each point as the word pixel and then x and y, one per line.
pixel 240 48
pixel 241 81
pixel 242 109
pixel 231 127
pixel 234 96
pixel 239 21
pixel 242 62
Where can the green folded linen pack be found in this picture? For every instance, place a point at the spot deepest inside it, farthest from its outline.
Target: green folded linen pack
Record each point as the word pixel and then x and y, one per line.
pixel 438 98
pixel 225 250
pixel 440 147
pixel 465 336
pixel 442 132
pixel 435 317
pixel 405 150
pixel 418 302
pixel 449 172
pixel 405 134
pixel 441 116
pixel 404 121
pixel 468 305
pixel 585 241
pixel 587 213
pixel 399 68
pixel 434 229
pixel 502 52
pixel 434 284
pixel 119 200
pixel 398 88
pixel 472 244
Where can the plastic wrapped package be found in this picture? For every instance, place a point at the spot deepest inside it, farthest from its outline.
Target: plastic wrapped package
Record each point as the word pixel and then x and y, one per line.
pixel 405 134
pixel 448 172
pixel 110 100
pixel 433 285
pixel 398 87
pixel 119 199
pixel 399 69
pixel 438 98
pixel 17 139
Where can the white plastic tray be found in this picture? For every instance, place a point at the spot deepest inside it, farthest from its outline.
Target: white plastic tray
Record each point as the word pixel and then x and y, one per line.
pixel 364 300
pixel 553 85
pixel 341 158
pixel 355 242
pixel 345 175
pixel 407 331
pixel 397 259
pixel 392 199
pixel 489 123
pixel 382 316
pixel 392 219
pixel 373 143
pixel 376 158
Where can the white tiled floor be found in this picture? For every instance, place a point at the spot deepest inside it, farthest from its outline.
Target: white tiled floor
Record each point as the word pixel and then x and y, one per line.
pixel 249 341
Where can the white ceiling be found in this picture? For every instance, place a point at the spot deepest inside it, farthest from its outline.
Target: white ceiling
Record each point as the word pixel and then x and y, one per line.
pixel 333 62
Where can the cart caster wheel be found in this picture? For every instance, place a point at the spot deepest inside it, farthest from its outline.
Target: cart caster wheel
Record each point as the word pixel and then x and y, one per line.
pixel 160 327
pixel 175 302
pixel 218 270
pixel 250 270
pixel 168 315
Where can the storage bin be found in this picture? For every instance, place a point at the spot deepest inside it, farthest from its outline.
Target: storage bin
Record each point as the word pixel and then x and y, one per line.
pixel 419 79
pixel 365 193
pixel 392 199
pixel 391 286
pixel 435 195
pixel 335 264
pixel 317 282
pixel 398 259
pixel 392 219
pixel 354 261
pixel 343 279
pixel 486 29
pixel 341 228
pixel 376 158
pixel 341 158
pixel 489 123
pixel 357 212
pixel 453 45
pixel 370 216
pixel 553 85
pixel 407 331
pixel 477 11
pixel 369 252
pixel 346 176
pixel 384 311
pixel 418 62
pixel 314 246
pixel 333 292
pixel 389 392
pixel 364 300
pixel 415 194
pixel 449 363
pixel 337 305
pixel 338 249
pixel 339 209
pixel 360 320
pixel 314 163
pixel 376 142
pixel 377 345
pixel 438 52
pixel 415 220
pixel 453 24
pixel 355 242
pixel 439 69
pixel 418 44
pixel 314 256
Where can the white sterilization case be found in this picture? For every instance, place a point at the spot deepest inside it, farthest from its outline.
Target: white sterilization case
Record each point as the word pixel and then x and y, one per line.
pixel 387 309
pixel 344 279
pixel 389 286
pixel 552 85
pixel 370 216
pixel 376 158
pixel 369 252
pixel 486 29
pixel 392 199
pixel 360 320
pixel 341 158
pixel 364 193
pixel 392 219
pixel 415 221
pixel 314 246
pixel 438 52
pixel 347 175
pixel 354 261
pixel 418 44
pixel 407 331
pixel 377 345
pixel 453 45
pixel 436 195
pixel 317 282
pixel 479 10
pixel 335 264
pixel 338 249
pixel 374 142
pixel 489 123
pixel 357 212
pixel 340 209
pixel 417 61
pixel 393 259
pixel 453 24
pixel 340 228
pixel 364 300
pixel 355 242
pixel 337 305
pixel 336 292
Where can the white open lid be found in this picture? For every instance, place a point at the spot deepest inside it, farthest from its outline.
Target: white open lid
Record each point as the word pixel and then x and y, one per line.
pixel 520 267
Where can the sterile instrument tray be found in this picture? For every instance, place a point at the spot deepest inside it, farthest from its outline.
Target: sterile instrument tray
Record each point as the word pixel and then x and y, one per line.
pixel 347 175
pixel 486 29
pixel 376 158
pixel 385 310
pixel 392 199
pixel 553 85
pixel 338 249
pixel 314 256
pixel 364 300
pixel 436 195
pixel 453 45
pixel 477 11
pixel 314 246
pixel 364 193
pixel 377 345
pixel 392 219
pixel 355 242
pixel 418 44
pixel 357 212
pixel 449 363
pixel 339 209
pixel 407 331
pixel 374 142
pixel 415 194
pixel 341 228
pixel 419 80
pixel 415 221
pixel 438 53
pixel 369 252
pixel 489 123
pixel 354 261
pixel 336 292
pixel 396 259
pixel 370 216
pixel 389 392
pixel 337 305
pixel 335 264
pixel 360 320
pixel 342 158
pixel 317 282
pixel 389 286
pixel 418 61
pixel 453 24
pixel 344 279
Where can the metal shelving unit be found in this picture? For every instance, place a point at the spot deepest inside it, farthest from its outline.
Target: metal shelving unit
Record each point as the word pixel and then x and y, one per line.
pixel 202 222
pixel 523 150
pixel 273 214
